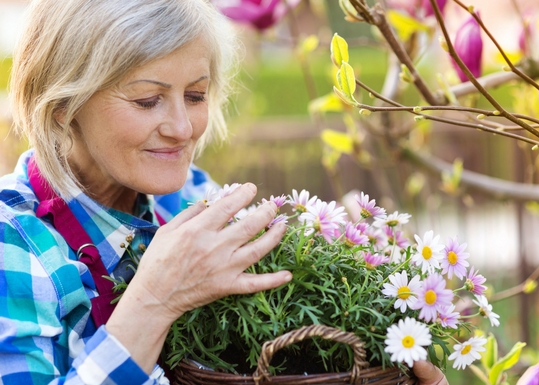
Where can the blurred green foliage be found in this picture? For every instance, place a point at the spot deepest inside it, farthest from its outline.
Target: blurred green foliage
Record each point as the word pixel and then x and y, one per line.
pixel 275 85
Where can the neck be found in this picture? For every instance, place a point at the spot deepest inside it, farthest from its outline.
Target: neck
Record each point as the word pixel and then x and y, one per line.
pixel 102 189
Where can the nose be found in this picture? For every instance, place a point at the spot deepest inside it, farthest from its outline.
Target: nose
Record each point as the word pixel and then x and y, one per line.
pixel 177 124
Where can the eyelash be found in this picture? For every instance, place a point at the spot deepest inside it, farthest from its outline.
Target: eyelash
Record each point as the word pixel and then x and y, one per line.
pixel 192 98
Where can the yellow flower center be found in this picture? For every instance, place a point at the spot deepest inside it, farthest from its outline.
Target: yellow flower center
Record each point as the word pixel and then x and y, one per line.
pixel 365 213
pixel 426 253
pixel 369 266
pixel 466 349
pixel 348 243
pixel 403 291
pixel 317 224
pixel 430 297
pixel 408 342
pixel 392 223
pixel 301 208
pixel 452 257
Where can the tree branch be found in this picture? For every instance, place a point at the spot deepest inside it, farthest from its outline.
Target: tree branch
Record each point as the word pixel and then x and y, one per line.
pixel 494 187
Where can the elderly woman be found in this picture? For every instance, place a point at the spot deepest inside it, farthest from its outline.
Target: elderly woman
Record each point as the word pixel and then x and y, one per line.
pixel 116 97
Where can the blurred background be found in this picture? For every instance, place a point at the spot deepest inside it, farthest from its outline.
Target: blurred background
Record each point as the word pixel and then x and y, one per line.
pixel 276 143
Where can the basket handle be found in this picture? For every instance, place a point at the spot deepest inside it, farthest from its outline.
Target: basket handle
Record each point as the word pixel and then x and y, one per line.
pixel 329 333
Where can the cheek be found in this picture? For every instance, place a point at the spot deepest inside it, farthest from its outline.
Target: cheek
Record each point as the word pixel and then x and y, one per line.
pixel 199 121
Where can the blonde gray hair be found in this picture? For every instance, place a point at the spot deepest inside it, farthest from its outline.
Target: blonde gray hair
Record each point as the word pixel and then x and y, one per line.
pixel 71 49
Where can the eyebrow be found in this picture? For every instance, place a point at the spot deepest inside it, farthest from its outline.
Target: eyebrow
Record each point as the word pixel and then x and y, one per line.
pixel 166 85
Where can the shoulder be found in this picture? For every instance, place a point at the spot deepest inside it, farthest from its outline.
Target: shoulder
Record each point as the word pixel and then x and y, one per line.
pixel 15 190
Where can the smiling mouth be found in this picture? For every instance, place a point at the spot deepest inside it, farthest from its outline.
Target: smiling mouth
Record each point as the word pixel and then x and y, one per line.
pixel 166 153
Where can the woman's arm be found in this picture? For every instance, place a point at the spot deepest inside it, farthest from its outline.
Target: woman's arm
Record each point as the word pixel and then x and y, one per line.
pixel 43 313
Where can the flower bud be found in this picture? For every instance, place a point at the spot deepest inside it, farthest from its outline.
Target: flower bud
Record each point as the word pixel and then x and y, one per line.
pixel 427 7
pixel 469 47
pixel 529 286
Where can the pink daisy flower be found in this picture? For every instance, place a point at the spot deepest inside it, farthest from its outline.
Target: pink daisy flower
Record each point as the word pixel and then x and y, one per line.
pixel 454 259
pixel 474 282
pixel 280 218
pixel 279 201
pixel 377 238
pixel 448 318
pixel 324 218
pixel 301 202
pixel 353 236
pixel 395 237
pixel 391 220
pixel 368 207
pixel 433 297
pixel 374 260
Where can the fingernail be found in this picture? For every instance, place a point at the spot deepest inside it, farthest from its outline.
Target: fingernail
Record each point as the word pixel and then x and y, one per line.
pixel 251 186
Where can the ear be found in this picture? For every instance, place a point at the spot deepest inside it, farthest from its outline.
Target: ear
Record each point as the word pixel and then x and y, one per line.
pixel 59 115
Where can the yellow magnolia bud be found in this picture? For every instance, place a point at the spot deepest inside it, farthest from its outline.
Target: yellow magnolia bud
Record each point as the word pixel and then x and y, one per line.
pixel 481 116
pixel 443 43
pixel 364 112
pixel 529 286
pixel 535 148
pixel 417 109
pixel 496 112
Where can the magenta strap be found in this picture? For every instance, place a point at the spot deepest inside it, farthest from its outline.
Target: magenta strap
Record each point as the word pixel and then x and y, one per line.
pixel 76 237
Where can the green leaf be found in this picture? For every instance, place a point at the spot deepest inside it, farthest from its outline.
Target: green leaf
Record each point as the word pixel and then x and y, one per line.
pixel 490 356
pixel 505 362
pixel 339 141
pixel 339 50
pixel 326 103
pixel 404 25
pixel 347 81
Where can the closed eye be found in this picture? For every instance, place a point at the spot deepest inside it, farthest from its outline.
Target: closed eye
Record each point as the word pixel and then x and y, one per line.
pixel 148 103
pixel 195 97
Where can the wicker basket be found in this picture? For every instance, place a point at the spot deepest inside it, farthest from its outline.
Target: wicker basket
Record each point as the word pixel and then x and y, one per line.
pixel 189 374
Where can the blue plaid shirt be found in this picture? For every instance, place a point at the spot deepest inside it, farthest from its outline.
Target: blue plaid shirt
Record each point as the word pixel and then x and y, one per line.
pixel 46 333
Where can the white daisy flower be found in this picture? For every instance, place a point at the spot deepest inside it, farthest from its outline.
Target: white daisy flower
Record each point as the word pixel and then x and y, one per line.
pixel 429 253
pixel 391 220
pixel 467 352
pixel 402 289
pixel 485 309
pixel 405 342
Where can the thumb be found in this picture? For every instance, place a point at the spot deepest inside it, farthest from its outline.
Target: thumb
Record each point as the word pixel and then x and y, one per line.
pixel 428 374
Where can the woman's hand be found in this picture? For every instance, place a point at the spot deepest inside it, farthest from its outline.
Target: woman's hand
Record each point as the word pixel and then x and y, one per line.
pixel 428 374
pixel 196 259
pixel 193 260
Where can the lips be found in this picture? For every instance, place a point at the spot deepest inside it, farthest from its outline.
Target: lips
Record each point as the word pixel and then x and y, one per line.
pixel 166 152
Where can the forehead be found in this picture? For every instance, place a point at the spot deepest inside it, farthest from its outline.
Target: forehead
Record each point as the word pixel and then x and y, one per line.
pixel 191 60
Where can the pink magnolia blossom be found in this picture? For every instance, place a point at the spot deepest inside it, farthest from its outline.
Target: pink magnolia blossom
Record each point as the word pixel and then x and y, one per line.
pixel 469 46
pixel 418 9
pixel 260 14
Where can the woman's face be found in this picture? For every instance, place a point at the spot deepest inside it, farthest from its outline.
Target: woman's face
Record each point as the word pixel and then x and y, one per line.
pixel 141 134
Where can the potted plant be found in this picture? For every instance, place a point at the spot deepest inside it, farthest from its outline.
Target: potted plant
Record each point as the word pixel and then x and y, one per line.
pixel 391 301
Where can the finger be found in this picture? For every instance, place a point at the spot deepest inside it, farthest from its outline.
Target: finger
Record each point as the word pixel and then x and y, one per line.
pixel 252 252
pixel 428 374
pixel 185 215
pixel 253 283
pixel 219 213
pixel 245 229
